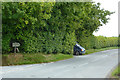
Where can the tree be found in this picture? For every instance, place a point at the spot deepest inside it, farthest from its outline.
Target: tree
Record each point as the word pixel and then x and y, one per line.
pixel 50 27
pixel 21 21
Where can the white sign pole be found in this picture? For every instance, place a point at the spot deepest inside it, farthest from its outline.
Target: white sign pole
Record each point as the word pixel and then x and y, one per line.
pixel 15 45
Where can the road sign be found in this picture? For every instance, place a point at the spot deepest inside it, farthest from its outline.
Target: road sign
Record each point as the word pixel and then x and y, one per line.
pixel 15 44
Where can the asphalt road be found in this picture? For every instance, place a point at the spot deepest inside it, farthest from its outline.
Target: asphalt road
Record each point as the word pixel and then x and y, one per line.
pixel 96 65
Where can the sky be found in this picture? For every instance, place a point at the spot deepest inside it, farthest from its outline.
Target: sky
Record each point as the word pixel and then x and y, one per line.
pixel 111 28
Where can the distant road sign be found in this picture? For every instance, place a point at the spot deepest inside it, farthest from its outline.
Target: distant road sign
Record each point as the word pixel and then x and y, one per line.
pixel 15 44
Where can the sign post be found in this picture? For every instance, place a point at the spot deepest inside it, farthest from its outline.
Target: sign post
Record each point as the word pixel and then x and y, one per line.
pixel 15 45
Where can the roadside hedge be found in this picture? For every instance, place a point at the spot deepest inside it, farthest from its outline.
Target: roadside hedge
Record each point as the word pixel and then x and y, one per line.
pixel 52 27
pixel 95 42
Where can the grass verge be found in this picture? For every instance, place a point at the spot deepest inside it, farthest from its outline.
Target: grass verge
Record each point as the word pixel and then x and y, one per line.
pixel 116 72
pixel 32 58
pixel 98 50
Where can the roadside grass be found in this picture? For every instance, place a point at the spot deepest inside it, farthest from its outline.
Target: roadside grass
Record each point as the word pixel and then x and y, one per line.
pixel 32 58
pixel 98 50
pixel 116 72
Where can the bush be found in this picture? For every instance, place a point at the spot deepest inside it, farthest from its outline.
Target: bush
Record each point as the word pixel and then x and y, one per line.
pixel 52 27
pixel 95 42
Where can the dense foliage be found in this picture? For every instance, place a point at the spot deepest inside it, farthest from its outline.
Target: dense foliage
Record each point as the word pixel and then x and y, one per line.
pixel 119 40
pixel 52 27
pixel 95 42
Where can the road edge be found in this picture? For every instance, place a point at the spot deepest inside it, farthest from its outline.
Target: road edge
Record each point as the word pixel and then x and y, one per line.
pixel 110 72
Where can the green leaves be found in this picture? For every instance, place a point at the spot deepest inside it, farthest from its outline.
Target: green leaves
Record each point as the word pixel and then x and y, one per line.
pixel 50 27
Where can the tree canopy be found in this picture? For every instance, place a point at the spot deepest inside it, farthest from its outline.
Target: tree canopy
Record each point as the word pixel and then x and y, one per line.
pixel 50 27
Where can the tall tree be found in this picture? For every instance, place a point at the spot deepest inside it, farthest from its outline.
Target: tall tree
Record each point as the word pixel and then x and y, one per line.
pixel 50 27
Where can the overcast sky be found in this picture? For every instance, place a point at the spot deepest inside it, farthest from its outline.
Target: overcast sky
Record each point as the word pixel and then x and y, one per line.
pixel 111 28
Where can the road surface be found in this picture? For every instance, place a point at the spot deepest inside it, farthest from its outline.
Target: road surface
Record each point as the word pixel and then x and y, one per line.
pixel 96 65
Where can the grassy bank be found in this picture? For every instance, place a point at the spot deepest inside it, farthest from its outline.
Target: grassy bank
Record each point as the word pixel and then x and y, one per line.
pixel 97 50
pixel 33 58
pixel 20 58
pixel 116 72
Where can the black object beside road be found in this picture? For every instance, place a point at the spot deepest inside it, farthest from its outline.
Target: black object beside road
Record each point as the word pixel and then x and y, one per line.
pixel 78 50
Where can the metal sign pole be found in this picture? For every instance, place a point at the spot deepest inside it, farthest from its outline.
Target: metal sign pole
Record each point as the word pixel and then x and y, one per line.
pixel 17 50
pixel 14 51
